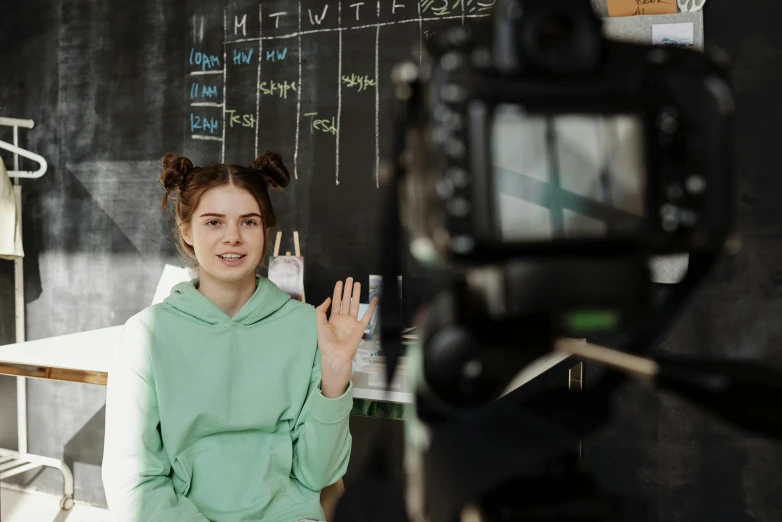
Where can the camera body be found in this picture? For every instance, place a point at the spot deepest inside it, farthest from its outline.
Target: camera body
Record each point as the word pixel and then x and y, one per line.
pixel 546 166
pixel 541 65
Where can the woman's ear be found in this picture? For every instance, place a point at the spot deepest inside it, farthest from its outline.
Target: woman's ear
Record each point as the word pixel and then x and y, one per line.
pixel 186 233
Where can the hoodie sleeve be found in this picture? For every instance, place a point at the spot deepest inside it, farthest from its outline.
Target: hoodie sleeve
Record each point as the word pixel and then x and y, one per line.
pixel 321 435
pixel 135 465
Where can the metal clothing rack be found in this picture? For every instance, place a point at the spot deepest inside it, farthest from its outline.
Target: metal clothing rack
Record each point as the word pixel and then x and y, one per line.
pixel 16 462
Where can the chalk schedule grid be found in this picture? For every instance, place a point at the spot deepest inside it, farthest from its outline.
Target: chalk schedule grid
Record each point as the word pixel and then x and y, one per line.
pixel 308 79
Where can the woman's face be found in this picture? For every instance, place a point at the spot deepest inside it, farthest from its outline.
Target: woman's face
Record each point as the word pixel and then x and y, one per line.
pixel 227 234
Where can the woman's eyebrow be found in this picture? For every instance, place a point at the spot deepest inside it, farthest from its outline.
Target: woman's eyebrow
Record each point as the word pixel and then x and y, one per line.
pixel 212 214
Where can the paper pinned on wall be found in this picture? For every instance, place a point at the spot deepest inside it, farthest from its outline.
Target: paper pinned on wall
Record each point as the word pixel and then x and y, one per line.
pixel 640 7
pixel 673 34
pixel 287 272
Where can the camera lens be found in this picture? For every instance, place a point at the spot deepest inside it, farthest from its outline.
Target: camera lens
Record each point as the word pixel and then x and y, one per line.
pixel 560 37
pixel 555 33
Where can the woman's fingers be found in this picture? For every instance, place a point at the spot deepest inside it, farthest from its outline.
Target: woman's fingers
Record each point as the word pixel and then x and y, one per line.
pixel 348 290
pixel 336 301
pixel 320 312
pixel 368 314
pixel 347 298
pixel 355 300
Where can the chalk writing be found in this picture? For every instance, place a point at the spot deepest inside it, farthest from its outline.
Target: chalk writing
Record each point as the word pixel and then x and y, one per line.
pixel 277 88
pixel 244 120
pixel 317 20
pixel 207 91
pixel 203 123
pixel 206 61
pixel 242 24
pixel 473 6
pixel 276 17
pixel 199 33
pixel 450 7
pixel 358 7
pixel 202 91
pixel 322 125
pixel 241 57
pixel 358 82
pixel 275 55
pixel 439 7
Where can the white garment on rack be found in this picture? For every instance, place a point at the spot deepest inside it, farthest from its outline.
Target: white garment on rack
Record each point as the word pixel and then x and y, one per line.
pixel 10 225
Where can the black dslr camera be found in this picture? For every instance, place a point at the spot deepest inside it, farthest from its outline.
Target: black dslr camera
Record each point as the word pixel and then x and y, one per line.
pixel 549 166
pixel 546 166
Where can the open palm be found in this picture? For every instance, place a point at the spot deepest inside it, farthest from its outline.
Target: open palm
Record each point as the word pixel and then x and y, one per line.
pixel 340 334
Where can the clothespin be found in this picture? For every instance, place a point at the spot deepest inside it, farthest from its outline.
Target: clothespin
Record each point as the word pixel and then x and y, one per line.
pixel 690 6
pixel 295 244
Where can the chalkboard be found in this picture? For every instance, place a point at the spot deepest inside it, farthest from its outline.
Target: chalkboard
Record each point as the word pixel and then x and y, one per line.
pixel 310 80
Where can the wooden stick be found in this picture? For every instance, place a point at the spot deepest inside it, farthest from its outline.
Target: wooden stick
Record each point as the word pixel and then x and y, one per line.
pixel 277 243
pixel 640 367
pixel 298 254
pixel 58 374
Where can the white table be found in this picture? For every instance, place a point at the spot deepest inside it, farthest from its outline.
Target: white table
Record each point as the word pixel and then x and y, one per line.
pixel 81 357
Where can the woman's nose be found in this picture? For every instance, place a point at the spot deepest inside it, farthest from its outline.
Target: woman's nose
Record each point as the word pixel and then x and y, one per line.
pixel 232 235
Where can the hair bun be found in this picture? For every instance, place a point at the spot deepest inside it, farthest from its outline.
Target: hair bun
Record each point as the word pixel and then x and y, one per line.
pixel 273 170
pixel 175 172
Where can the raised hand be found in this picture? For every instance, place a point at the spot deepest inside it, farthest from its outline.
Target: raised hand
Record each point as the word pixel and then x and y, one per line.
pixel 340 334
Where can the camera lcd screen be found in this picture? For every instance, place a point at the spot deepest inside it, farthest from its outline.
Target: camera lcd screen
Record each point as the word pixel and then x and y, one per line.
pixel 566 176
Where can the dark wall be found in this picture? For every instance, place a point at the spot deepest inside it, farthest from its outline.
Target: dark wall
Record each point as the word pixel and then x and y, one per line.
pixel 105 82
pixel 684 464
pixel 85 73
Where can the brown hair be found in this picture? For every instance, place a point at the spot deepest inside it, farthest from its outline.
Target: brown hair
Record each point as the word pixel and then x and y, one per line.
pixel 191 183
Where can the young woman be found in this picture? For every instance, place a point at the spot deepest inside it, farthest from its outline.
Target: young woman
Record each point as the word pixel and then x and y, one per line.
pixel 230 400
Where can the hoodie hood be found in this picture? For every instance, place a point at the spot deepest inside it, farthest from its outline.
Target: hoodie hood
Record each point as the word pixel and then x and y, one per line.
pixel 265 301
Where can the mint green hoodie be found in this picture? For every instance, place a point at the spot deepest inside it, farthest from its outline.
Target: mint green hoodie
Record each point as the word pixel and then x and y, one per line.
pixel 215 418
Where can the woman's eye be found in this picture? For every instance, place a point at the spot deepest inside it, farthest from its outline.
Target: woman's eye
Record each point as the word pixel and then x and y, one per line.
pixel 212 222
pixel 250 222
